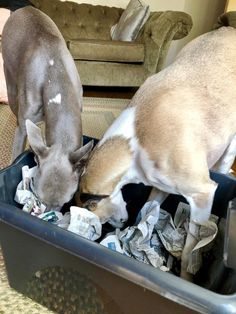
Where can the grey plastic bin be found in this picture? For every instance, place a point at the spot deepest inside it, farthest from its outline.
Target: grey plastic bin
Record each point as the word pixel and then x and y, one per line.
pixel 70 274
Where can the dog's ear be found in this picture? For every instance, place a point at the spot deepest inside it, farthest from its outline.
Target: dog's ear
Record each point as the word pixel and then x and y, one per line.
pixel 35 139
pixel 79 157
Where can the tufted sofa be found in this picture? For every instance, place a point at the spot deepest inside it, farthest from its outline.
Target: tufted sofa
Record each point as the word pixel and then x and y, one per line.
pixel 103 62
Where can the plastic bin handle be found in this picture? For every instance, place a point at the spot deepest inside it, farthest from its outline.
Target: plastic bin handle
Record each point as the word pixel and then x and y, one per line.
pixel 230 236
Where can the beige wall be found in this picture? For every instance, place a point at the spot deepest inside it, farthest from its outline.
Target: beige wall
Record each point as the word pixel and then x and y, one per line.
pixel 203 12
pixel 4 14
pixel 231 5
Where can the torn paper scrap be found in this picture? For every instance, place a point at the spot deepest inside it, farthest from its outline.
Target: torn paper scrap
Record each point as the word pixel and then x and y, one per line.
pixel 172 237
pixel 205 234
pixel 25 194
pixel 85 223
pixel 112 242
pixel 140 242
pixel 56 218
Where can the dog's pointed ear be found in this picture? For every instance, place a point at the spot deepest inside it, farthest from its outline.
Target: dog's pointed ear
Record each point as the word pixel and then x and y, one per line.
pixel 35 139
pixel 81 155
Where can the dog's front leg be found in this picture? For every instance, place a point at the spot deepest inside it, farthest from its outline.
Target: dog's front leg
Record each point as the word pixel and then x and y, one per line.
pixel 190 243
pixel 201 204
pixel 157 195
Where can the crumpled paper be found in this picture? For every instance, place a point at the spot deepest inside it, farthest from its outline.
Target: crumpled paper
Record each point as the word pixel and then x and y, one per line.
pixel 56 218
pixel 205 234
pixel 26 195
pixel 139 241
pixel 156 237
pixel 85 223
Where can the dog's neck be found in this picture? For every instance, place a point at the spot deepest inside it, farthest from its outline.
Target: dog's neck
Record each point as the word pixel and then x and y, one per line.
pixel 104 179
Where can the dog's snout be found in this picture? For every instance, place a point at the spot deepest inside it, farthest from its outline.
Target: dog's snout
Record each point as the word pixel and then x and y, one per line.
pixel 90 201
pixel 117 223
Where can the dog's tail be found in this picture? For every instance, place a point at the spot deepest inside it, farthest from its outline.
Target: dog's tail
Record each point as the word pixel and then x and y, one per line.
pixel 13 5
pixel 226 19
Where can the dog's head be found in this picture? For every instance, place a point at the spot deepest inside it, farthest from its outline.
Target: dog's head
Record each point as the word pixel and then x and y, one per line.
pixel 98 189
pixel 58 173
pixel 108 208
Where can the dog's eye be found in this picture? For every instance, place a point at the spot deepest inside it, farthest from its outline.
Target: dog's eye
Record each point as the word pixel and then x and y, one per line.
pixel 91 205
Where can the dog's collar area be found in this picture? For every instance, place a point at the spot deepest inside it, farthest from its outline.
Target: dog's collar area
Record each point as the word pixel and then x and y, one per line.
pixel 84 197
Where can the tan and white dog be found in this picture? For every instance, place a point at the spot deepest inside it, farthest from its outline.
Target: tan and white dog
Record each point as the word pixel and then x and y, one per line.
pixel 180 123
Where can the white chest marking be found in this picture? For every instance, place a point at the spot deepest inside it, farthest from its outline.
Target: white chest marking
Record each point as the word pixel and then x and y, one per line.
pixel 56 99
pixel 142 169
pixel 51 62
pixel 122 126
pixel 120 204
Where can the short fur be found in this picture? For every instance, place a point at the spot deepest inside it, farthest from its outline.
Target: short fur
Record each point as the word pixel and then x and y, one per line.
pixel 180 124
pixel 43 84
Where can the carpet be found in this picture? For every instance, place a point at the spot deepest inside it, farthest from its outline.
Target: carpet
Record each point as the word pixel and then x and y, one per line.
pixel 97 115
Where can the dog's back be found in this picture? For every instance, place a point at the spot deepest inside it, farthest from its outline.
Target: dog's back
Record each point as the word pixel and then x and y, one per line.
pixel 31 42
pixel 191 104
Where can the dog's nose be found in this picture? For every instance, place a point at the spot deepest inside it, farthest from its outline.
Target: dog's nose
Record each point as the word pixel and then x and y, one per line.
pixel 117 223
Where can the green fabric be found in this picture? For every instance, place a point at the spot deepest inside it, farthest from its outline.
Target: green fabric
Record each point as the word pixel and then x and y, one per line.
pixel 93 22
pixel 226 19
pixel 111 73
pixel 106 50
pixel 159 31
pixel 83 21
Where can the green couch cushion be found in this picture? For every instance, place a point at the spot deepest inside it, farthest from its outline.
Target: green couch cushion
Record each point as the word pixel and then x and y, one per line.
pixel 103 50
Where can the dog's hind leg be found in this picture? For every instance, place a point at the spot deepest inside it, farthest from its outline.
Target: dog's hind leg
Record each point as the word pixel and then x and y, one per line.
pixel 19 141
pixel 224 164
pixel 30 107
pixel 11 90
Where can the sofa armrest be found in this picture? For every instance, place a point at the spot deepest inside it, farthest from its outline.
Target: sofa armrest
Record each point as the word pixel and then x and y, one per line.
pixel 160 29
pixel 226 19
